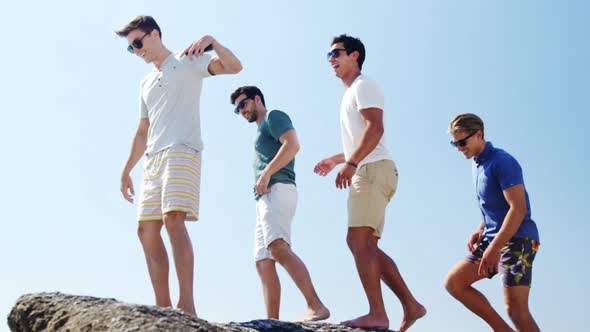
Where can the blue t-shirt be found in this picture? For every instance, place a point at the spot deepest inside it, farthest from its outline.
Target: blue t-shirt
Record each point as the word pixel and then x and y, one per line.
pixel 267 144
pixel 494 171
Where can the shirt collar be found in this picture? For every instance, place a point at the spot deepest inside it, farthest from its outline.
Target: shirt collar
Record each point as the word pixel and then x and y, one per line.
pixel 166 63
pixel 485 155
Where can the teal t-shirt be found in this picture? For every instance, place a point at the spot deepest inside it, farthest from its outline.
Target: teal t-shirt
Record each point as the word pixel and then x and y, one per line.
pixel 267 144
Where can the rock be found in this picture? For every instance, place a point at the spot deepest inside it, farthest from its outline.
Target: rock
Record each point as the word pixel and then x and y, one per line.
pixel 61 312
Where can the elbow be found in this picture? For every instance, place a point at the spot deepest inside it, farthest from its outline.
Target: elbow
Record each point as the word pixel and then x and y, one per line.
pixel 378 130
pixel 237 67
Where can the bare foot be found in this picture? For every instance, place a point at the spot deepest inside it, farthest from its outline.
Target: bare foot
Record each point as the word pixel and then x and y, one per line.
pixel 188 310
pixel 315 314
pixel 411 315
pixel 369 321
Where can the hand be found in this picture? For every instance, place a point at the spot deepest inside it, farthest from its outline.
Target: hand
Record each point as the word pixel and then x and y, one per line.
pixel 127 187
pixel 488 264
pixel 261 187
pixel 197 48
pixel 474 240
pixel 344 177
pixel 324 167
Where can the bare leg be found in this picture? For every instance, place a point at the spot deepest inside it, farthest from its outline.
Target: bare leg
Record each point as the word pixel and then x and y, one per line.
pixel 156 259
pixel 517 305
pixel 182 250
pixel 390 274
pixel 458 284
pixel 282 252
pixel 366 256
pixel 271 286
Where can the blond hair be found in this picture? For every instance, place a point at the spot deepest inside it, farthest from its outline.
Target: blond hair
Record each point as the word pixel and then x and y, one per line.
pixel 466 122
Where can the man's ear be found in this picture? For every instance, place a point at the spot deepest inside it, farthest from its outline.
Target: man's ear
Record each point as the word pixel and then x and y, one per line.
pixel 155 33
pixel 355 55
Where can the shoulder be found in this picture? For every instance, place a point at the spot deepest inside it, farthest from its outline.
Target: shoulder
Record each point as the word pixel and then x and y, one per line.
pixel 365 82
pixel 504 161
pixel 276 114
pixel 203 59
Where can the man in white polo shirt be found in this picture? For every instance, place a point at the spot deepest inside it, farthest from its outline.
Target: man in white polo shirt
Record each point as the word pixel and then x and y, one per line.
pixel 371 175
pixel 169 134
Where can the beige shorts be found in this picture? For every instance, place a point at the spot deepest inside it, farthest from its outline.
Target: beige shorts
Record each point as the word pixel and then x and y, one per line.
pixel 372 187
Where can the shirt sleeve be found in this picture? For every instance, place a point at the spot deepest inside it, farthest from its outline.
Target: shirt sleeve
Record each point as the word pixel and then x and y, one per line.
pixel 508 172
pixel 143 110
pixel 278 123
pixel 369 95
pixel 200 65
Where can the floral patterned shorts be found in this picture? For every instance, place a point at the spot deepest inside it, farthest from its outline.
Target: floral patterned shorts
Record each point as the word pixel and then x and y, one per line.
pixel 516 261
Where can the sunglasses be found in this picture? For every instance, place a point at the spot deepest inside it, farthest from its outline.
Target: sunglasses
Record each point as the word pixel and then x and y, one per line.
pixel 335 53
pixel 241 104
pixel 462 142
pixel 137 44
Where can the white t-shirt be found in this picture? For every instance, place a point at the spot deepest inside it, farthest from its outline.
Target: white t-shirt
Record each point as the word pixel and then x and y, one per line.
pixel 170 98
pixel 363 93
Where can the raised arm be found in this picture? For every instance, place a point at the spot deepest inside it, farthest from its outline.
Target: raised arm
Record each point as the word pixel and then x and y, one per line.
pixel 225 62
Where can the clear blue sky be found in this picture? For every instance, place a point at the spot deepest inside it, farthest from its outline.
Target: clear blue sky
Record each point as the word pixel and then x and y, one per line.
pixel 69 111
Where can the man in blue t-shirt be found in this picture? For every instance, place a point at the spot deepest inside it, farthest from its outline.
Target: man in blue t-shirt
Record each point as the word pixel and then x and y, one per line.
pixel 506 241
pixel 276 200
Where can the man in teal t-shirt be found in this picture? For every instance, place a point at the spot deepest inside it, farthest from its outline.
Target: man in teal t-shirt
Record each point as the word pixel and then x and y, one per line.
pixel 276 200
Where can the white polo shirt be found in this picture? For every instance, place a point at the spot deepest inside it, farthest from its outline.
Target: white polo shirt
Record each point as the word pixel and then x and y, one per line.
pixel 363 93
pixel 170 98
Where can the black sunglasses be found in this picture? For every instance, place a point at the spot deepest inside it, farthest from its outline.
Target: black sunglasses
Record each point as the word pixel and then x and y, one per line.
pixel 335 53
pixel 462 142
pixel 241 104
pixel 137 44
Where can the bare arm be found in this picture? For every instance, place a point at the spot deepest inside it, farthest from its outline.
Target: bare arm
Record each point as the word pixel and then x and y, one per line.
pixel 371 137
pixel 225 62
pixel 287 151
pixel 372 134
pixel 138 147
pixel 516 198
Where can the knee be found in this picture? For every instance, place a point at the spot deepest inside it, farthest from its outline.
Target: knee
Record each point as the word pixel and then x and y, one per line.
pixel 146 233
pixel 517 313
pixel 174 222
pixel 452 284
pixel 280 250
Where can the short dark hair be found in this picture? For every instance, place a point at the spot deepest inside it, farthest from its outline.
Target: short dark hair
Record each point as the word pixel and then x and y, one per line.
pixel 352 44
pixel 143 22
pixel 249 90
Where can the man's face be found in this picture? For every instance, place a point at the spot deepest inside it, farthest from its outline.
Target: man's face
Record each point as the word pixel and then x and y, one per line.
pixel 146 40
pixel 469 143
pixel 341 62
pixel 247 107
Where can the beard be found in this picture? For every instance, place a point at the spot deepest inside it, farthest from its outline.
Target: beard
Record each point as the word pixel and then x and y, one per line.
pixel 253 117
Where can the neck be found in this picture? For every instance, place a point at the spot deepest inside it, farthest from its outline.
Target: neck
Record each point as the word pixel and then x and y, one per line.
pixel 350 77
pixel 161 55
pixel 261 114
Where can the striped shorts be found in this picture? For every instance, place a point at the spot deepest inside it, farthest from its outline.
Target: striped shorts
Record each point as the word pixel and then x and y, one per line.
pixel 171 182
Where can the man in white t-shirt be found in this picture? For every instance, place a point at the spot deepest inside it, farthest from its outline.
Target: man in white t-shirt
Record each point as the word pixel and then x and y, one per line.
pixel 169 134
pixel 371 174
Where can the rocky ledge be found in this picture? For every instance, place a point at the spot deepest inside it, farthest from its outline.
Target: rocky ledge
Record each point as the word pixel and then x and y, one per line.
pixel 61 312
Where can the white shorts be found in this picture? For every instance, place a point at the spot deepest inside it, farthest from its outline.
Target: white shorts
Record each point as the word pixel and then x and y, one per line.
pixel 274 214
